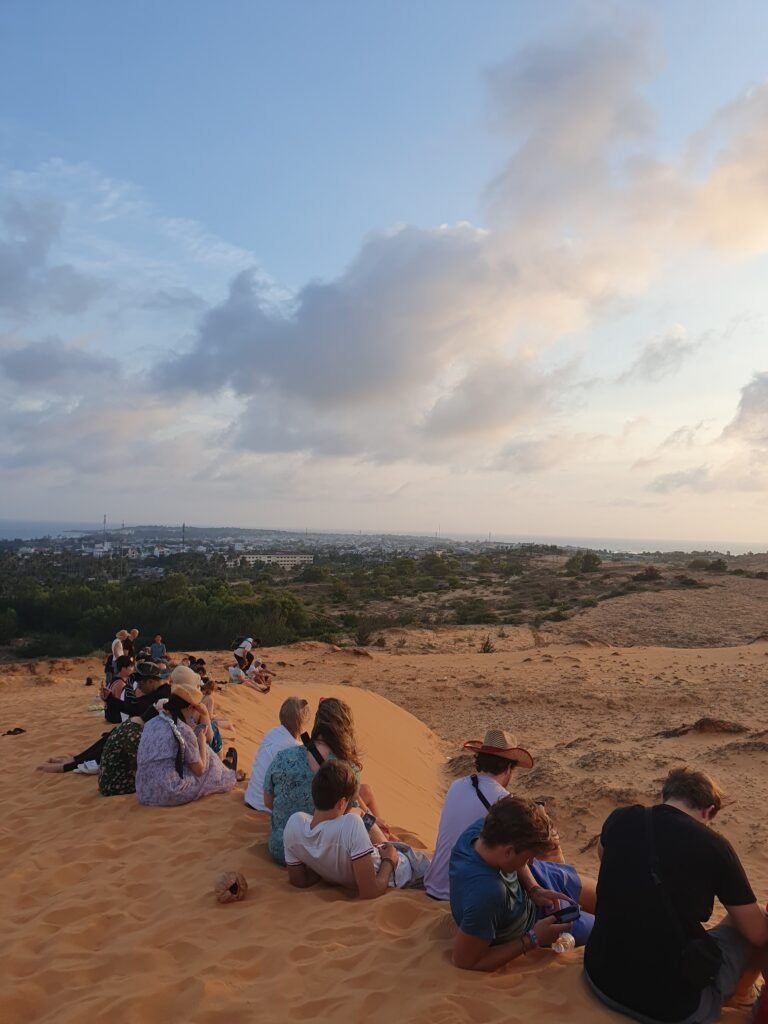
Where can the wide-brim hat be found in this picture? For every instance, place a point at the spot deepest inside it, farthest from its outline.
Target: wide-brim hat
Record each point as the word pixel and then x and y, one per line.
pixel 148 669
pixel 501 744
pixel 185 683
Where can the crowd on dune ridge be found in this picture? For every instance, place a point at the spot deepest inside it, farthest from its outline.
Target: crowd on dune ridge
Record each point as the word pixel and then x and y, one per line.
pixel 498 861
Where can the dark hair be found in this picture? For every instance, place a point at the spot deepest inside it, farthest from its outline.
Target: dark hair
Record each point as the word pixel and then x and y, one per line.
pixel 176 705
pixel 207 686
pixel 492 764
pixel 334 726
pixel 697 789
pixel 124 661
pixel 519 823
pixel 333 781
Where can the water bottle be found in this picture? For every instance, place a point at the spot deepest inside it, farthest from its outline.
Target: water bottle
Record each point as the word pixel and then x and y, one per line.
pixel 564 943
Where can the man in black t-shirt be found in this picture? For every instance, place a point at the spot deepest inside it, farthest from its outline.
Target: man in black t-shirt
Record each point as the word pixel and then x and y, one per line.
pixel 633 957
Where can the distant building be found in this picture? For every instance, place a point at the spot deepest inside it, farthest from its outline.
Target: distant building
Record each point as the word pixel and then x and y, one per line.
pixel 283 561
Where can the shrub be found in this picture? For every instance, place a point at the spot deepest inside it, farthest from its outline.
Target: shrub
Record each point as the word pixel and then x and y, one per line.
pixel 487 646
pixel 648 574
pixel 583 561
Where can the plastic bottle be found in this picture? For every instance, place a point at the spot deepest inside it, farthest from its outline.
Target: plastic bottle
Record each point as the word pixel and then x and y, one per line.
pixel 564 943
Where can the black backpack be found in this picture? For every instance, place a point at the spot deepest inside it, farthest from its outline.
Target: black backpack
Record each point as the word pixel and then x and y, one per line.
pixel 236 643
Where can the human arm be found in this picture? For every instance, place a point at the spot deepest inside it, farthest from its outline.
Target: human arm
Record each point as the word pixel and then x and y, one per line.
pixel 474 953
pixel 752 922
pixel 269 799
pixel 302 877
pixel 547 899
pixel 369 883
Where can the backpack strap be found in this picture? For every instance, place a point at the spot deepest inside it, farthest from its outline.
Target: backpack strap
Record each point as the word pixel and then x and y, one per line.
pixel 312 748
pixel 480 797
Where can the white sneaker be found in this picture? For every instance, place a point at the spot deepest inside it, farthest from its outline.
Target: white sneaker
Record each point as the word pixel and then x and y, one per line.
pixel 88 768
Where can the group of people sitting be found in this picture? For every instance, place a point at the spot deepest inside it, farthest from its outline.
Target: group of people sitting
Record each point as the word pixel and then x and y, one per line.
pixel 167 744
pixel 499 864
pixel 248 669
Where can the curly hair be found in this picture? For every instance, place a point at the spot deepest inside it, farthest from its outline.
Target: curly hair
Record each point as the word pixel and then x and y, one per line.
pixel 334 726
pixel 523 824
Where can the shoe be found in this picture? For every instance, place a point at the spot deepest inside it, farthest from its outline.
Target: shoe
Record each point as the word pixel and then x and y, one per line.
pixel 87 768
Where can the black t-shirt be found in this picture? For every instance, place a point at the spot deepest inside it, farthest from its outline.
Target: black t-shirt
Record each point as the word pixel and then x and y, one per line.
pixel 632 953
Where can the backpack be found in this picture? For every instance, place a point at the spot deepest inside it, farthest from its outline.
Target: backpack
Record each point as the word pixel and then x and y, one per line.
pixel 236 643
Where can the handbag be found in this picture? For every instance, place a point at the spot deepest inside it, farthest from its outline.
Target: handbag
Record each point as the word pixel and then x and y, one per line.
pixel 700 958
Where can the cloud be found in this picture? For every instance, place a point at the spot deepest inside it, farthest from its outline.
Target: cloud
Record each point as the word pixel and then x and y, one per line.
pixel 27 282
pixel 52 364
pixel 751 421
pixel 538 454
pixel 697 479
pixel 659 359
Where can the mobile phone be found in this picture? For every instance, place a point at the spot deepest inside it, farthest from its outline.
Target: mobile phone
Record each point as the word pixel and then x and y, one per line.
pixel 369 820
pixel 567 914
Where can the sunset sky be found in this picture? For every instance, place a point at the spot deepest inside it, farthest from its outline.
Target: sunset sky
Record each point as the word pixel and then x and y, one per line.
pixel 495 266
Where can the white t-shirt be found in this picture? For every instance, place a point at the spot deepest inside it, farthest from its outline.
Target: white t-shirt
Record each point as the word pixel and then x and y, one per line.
pixel 236 675
pixel 274 741
pixel 330 848
pixel 462 807
pixel 243 649
pixel 117 649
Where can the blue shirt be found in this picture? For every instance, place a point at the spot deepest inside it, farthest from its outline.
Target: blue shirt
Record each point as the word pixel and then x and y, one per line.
pixel 485 902
pixel 157 651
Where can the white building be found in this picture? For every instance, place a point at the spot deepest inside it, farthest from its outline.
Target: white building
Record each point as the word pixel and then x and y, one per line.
pixel 283 561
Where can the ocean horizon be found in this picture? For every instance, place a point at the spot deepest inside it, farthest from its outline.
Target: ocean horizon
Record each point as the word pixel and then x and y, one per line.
pixel 29 529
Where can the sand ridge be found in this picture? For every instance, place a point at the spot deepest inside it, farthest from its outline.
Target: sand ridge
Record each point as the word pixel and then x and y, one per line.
pixel 108 906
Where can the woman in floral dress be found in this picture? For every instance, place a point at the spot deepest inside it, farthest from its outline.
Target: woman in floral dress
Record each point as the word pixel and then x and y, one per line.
pixel 175 764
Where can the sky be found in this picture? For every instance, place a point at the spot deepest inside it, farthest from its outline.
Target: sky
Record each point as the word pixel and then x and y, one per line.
pixel 480 267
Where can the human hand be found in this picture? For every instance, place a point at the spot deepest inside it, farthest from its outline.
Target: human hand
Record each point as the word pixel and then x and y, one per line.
pixel 546 899
pixel 389 853
pixel 547 930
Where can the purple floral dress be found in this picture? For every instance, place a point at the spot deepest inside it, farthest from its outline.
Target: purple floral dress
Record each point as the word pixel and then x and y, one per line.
pixel 157 781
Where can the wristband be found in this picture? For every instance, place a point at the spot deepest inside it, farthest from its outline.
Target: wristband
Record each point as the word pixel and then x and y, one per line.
pixel 533 938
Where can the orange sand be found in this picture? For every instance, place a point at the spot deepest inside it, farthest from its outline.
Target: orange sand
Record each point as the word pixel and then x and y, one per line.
pixel 108 910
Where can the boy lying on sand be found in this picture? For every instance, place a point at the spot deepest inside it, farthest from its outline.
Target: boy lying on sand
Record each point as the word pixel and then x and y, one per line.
pixel 338 847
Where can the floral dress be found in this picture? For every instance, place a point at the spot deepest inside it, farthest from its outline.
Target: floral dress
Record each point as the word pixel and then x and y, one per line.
pixel 117 768
pixel 289 780
pixel 158 783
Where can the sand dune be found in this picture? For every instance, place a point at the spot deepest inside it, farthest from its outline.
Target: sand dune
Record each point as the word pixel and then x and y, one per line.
pixel 109 909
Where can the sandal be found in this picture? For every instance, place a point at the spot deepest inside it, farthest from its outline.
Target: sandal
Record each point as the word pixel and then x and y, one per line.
pixel 14 732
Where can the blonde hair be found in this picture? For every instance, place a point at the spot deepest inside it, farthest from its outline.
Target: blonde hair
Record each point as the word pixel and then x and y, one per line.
pixel 294 712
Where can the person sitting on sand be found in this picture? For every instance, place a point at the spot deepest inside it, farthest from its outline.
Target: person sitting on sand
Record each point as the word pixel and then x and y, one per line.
pixel 288 782
pixel 114 694
pixel 174 763
pixel 238 677
pixel 661 869
pixel 151 687
pixel 334 846
pixel 497 918
pixel 157 649
pixel 467 799
pixel 293 715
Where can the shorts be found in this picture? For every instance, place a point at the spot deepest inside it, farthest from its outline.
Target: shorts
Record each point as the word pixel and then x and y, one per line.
pixel 565 879
pixel 736 953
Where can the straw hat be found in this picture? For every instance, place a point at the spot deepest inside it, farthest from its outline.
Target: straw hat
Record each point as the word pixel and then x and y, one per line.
pixel 185 683
pixel 501 744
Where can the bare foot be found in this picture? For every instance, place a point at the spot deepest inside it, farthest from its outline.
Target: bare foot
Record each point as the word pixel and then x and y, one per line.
pixel 61 759
pixel 48 767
